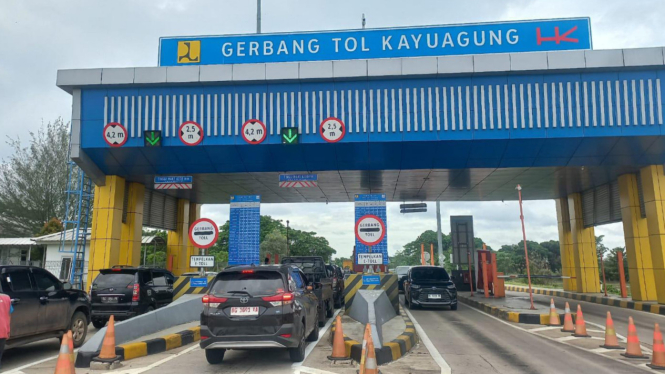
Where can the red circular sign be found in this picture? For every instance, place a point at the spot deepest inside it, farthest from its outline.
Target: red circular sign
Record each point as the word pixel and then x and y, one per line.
pixel 203 233
pixel 254 131
pixel 115 134
pixel 370 230
pixel 190 133
pixel 332 129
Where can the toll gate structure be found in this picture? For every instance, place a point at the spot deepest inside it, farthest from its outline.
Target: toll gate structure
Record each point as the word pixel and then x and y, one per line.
pixel 583 127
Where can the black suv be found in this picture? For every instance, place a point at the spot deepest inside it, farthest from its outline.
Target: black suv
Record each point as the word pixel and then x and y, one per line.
pixel 337 275
pixel 251 307
pixel 125 292
pixel 429 286
pixel 43 306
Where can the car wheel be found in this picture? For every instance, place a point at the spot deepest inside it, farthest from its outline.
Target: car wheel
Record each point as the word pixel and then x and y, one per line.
pixel 99 323
pixel 411 305
pixel 331 310
pixel 298 353
pixel 453 306
pixel 79 327
pixel 314 335
pixel 149 309
pixel 215 356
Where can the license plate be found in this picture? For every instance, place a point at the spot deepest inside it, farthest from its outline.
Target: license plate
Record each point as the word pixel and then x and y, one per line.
pixel 109 300
pixel 434 296
pixel 245 311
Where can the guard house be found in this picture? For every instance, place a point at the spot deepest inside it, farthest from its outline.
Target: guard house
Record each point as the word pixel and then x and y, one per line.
pixel 462 112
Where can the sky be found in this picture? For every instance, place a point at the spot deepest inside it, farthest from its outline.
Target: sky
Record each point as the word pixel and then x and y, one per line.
pixel 38 37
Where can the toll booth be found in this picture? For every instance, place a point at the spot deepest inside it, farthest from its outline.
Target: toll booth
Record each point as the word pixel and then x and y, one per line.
pixel 462 280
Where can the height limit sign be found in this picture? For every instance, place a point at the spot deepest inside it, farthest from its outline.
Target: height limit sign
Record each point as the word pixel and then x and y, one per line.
pixel 370 230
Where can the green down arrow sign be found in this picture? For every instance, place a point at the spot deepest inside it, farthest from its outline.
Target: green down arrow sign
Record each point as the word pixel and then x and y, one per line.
pixel 152 138
pixel 290 135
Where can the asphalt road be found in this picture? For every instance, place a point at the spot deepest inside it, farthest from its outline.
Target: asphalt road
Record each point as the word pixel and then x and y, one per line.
pixel 33 352
pixel 473 342
pixel 597 313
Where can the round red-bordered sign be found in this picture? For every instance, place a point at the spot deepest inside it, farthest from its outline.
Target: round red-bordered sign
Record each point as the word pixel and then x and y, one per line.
pixel 194 133
pixel 332 129
pixel 253 131
pixel 200 235
pixel 363 234
pixel 113 131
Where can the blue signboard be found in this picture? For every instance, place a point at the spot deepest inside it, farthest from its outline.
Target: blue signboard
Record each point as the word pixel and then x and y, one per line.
pixel 371 280
pixel 163 180
pixel 198 282
pixel 373 204
pixel 500 37
pixel 244 228
pixel 297 177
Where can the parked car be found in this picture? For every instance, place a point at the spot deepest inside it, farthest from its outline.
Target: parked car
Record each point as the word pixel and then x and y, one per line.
pixel 429 286
pixel 337 275
pixel 125 292
pixel 315 270
pixel 250 307
pixel 44 307
pixel 401 272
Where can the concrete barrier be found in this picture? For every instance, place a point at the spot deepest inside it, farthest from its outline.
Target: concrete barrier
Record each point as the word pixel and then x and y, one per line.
pixel 182 287
pixel 354 282
pixel 186 309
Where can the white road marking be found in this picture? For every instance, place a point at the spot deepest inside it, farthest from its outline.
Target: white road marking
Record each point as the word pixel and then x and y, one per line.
pixel 308 370
pixel 445 368
pixel 558 340
pixel 311 346
pixel 18 369
pixel 546 328
pixel 158 363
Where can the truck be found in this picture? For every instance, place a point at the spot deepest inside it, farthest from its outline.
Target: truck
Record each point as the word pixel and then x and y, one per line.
pixel 314 269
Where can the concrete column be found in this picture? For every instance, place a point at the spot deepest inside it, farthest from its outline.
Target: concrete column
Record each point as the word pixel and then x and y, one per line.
pixel 130 238
pixel 194 214
pixel 106 226
pixel 638 250
pixel 584 248
pixel 653 190
pixel 178 240
pixel 566 245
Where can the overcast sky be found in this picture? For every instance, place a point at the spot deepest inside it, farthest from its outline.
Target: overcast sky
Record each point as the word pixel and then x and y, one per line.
pixel 39 37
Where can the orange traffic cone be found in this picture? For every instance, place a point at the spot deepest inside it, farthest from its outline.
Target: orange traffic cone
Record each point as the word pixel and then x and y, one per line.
pixel 339 349
pixel 633 349
pixel 568 321
pixel 363 353
pixel 107 354
pixel 658 359
pixel 70 344
pixel 64 363
pixel 371 366
pixel 611 341
pixel 554 316
pixel 580 325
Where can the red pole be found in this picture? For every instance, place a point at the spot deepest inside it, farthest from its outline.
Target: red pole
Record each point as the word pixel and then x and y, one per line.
pixel 486 282
pixel 602 267
pixel 622 275
pixel 468 254
pixel 526 252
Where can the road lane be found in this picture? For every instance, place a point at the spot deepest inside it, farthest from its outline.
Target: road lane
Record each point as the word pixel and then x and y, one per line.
pixel 473 342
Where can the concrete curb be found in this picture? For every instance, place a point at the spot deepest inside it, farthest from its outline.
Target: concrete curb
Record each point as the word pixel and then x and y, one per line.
pixel 609 301
pixel 506 315
pixel 148 347
pixel 391 350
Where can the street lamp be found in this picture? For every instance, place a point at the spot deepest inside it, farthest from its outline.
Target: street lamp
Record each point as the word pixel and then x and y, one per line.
pixel 287 238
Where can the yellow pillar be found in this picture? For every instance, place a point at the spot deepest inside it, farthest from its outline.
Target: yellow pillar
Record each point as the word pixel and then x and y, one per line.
pixel 584 248
pixel 566 245
pixel 106 226
pixel 194 214
pixel 178 240
pixel 653 190
pixel 635 231
pixel 130 238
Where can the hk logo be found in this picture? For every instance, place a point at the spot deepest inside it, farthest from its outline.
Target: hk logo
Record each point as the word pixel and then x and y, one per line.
pixel 558 38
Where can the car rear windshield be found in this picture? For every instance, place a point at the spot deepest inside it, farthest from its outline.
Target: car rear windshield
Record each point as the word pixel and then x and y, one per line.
pixel 259 283
pixel 307 266
pixel 434 274
pixel 113 280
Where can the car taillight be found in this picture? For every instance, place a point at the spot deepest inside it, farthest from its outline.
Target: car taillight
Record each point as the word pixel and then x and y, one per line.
pixel 279 299
pixel 247 271
pixel 136 292
pixel 213 301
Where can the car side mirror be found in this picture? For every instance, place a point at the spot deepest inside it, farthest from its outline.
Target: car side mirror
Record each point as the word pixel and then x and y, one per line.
pixel 67 286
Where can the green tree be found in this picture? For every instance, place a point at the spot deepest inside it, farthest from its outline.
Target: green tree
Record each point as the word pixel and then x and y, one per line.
pixel 51 227
pixel 612 265
pixel 33 180
pixel 273 243
pixel 154 253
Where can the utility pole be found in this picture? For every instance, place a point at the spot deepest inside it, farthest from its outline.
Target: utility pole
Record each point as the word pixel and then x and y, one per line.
pixel 364 21
pixel 288 253
pixel 439 234
pixel 258 16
